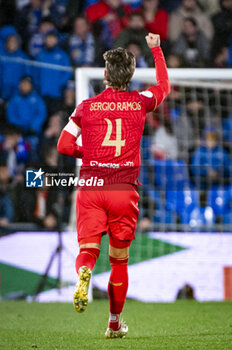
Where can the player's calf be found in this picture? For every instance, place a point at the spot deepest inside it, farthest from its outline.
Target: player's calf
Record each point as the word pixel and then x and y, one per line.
pixel 117 290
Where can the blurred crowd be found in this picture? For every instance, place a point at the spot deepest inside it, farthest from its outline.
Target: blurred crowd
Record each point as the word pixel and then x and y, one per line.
pixel 42 41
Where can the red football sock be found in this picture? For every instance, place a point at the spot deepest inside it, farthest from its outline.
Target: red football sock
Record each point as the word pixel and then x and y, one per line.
pixel 117 289
pixel 87 257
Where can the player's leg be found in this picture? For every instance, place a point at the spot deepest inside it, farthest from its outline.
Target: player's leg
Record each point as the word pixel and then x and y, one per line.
pixel 85 262
pixel 122 206
pixel 91 222
pixel 89 252
pixel 117 287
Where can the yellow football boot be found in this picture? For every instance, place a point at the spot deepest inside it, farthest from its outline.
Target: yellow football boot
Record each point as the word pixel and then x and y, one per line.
pixel 80 298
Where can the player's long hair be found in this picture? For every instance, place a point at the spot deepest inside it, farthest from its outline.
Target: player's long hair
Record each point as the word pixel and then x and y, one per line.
pixel 120 67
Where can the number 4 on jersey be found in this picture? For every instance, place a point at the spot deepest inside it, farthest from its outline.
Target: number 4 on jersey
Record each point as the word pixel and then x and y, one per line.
pixel 118 143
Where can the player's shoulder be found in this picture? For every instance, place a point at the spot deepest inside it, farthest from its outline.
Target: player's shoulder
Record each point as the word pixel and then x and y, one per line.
pixel 146 93
pixel 93 98
pixel 141 94
pixel 135 95
pixel 148 100
pixel 79 110
pixel 146 97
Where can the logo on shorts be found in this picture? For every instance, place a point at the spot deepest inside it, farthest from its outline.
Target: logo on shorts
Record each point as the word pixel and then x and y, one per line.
pixel 34 178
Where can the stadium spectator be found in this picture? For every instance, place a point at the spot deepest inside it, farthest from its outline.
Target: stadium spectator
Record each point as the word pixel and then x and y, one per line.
pixel 227 131
pixel 15 149
pixel 6 203
pixel 173 61
pixel 196 114
pixel 191 46
pixel 109 17
pixel 30 16
pixel 27 109
pixel 200 115
pixel 181 124
pixel 140 63
pixel 145 224
pixel 11 70
pixel 156 19
pixel 222 59
pixel 134 47
pixel 51 82
pixel 51 133
pixel 74 9
pixel 183 131
pixel 54 127
pixel 135 32
pixel 69 99
pixel 61 6
pixel 51 198
pixel 222 23
pixel 37 40
pixel 170 5
pixel 81 44
pixel 164 143
pixel 4 33
pixel 210 163
pixel 39 206
pixel 189 8
pixel 209 6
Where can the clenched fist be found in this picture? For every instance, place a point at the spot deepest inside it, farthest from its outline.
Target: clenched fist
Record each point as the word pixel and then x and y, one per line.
pixel 153 40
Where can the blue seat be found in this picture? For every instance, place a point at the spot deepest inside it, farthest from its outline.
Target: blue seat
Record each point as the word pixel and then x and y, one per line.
pixel 227 221
pixel 200 219
pixel 183 201
pixel 145 147
pixel 220 199
pixel 150 189
pixel 170 174
pixel 227 129
pixel 165 217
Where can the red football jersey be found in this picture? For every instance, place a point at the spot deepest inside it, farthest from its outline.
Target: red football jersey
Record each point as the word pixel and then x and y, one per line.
pixel 112 125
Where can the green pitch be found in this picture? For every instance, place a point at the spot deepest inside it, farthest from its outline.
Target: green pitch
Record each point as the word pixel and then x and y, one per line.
pixel 181 325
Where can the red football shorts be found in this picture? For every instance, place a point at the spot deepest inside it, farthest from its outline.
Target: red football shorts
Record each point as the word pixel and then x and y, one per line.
pixel 112 209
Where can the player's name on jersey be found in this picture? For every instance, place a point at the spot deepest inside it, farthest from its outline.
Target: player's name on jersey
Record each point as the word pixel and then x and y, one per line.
pixel 115 106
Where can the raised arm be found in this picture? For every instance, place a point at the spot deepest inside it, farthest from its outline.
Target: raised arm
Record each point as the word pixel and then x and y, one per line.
pixel 163 87
pixel 67 141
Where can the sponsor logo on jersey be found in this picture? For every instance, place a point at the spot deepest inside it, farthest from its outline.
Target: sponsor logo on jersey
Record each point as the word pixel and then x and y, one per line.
pixel 104 165
pixel 110 165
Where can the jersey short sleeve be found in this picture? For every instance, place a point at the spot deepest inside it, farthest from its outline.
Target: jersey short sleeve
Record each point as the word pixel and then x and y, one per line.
pixel 77 115
pixel 149 100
